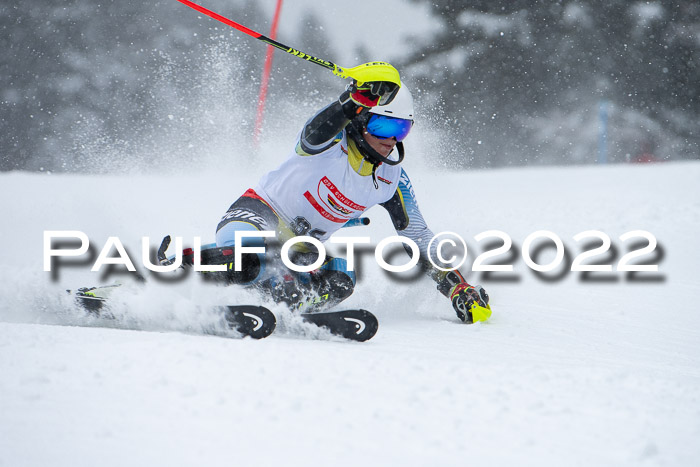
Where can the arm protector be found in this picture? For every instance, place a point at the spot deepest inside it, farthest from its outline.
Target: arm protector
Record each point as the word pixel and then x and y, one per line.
pixel 323 129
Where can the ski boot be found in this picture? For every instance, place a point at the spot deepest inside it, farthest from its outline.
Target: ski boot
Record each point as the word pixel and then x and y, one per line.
pixel 312 292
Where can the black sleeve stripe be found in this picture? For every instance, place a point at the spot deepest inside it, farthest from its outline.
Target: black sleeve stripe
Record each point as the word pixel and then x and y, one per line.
pixel 306 149
pixel 397 211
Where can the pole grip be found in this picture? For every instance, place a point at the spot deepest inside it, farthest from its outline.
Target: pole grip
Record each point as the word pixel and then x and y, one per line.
pixel 356 222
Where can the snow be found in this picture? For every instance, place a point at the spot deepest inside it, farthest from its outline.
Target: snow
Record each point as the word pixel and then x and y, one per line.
pixel 567 371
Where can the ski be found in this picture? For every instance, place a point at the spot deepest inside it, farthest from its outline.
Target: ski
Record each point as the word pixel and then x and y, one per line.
pixel 93 299
pixel 250 320
pixel 358 325
pixel 257 321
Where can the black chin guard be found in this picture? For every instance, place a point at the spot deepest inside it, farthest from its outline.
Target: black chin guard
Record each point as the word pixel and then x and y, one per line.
pixel 356 130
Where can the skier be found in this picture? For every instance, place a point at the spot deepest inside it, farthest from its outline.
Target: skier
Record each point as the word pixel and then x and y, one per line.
pixel 343 164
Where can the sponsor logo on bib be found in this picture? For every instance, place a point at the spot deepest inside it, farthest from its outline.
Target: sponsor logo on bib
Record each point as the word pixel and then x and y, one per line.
pixel 333 205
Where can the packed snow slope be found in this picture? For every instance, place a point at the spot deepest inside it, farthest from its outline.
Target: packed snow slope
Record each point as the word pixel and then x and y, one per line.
pixel 571 369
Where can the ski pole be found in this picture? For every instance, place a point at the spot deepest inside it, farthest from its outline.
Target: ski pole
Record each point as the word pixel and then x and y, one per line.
pixel 379 70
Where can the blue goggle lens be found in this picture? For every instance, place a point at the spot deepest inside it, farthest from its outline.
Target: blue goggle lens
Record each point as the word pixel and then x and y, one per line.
pixel 384 127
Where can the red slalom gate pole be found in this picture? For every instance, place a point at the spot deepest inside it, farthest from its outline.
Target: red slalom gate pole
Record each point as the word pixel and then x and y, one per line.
pixel 266 77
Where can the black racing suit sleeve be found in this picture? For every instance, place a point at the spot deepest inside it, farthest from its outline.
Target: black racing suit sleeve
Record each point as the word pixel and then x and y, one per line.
pixel 323 129
pixel 408 222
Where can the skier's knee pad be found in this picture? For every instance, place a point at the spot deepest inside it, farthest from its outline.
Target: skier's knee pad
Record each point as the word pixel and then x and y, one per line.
pixel 226 235
pixel 253 264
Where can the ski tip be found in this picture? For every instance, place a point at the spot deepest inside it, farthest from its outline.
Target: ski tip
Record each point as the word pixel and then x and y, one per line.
pixel 254 321
pixel 370 323
pixel 357 325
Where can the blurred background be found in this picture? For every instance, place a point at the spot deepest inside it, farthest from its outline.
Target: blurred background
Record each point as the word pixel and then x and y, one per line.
pixel 122 85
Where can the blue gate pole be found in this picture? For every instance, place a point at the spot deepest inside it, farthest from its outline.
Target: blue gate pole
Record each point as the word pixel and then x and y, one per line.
pixel 603 132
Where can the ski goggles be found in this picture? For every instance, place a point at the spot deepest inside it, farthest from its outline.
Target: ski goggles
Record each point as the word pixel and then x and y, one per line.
pixel 383 127
pixel 386 90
